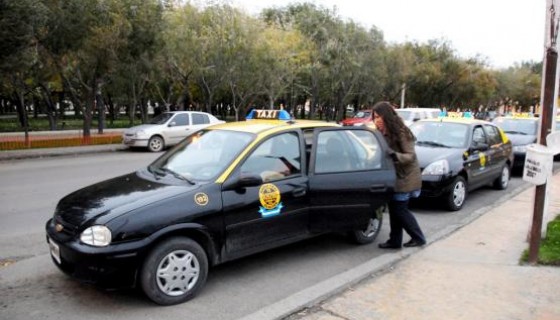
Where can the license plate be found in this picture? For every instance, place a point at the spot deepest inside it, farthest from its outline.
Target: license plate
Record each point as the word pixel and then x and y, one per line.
pixel 55 250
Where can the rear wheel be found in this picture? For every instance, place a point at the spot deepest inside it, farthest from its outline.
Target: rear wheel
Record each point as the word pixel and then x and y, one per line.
pixel 457 195
pixel 174 271
pixel 155 144
pixel 502 182
pixel 373 228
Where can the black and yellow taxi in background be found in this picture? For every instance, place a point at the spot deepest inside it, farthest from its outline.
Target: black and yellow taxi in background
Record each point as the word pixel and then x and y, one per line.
pixel 224 192
pixel 522 130
pixel 459 154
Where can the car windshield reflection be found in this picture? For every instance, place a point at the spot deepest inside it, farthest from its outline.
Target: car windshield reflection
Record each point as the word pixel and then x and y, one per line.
pixel 203 155
pixel 162 118
pixel 451 135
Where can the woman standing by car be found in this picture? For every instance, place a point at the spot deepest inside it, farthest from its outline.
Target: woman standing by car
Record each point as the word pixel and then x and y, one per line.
pixel 409 180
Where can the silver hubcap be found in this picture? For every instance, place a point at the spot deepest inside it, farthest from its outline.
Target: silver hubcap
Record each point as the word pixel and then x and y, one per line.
pixel 155 144
pixel 177 273
pixel 372 228
pixel 505 177
pixel 459 193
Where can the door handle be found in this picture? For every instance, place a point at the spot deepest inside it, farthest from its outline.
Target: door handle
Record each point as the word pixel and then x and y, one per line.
pixel 299 192
pixel 378 188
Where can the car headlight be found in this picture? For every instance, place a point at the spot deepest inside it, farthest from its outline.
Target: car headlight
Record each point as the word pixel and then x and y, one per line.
pixel 139 133
pixel 522 148
pixel 437 168
pixel 97 236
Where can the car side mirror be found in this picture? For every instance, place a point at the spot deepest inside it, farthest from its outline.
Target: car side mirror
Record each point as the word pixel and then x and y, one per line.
pixel 479 146
pixel 243 181
pixel 172 124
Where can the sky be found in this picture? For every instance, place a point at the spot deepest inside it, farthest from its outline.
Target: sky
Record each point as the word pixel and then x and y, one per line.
pixel 502 32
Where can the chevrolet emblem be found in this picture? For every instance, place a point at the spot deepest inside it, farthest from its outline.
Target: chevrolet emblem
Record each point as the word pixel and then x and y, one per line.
pixel 58 227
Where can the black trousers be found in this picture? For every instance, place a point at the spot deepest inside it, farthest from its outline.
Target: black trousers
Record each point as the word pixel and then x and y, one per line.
pixel 400 219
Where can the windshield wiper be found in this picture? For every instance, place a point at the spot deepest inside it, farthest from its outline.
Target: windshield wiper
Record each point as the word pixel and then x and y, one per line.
pixel 433 144
pixel 163 171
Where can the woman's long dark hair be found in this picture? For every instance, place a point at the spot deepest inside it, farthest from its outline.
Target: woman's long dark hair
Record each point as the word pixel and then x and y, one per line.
pixel 394 125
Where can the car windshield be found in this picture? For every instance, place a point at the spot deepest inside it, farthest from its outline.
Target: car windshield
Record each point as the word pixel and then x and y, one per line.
pixel 517 126
pixel 440 134
pixel 203 155
pixel 362 114
pixel 162 118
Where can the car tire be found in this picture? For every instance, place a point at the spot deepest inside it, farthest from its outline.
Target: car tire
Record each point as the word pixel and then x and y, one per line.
pixel 456 197
pixel 502 182
pixel 168 286
pixel 156 144
pixel 370 233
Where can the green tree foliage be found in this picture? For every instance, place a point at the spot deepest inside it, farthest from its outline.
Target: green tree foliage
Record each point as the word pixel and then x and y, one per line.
pixel 108 56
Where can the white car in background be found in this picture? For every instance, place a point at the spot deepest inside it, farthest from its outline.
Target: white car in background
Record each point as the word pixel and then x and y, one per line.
pixel 167 129
pixel 411 115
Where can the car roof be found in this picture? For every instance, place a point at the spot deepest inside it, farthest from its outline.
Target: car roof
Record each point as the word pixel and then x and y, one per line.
pixel 522 118
pixel 456 120
pixel 258 126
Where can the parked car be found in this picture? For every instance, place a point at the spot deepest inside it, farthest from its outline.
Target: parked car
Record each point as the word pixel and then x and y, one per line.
pixel 411 115
pixel 458 155
pixel 224 192
pixel 167 129
pixel 522 130
pixel 360 118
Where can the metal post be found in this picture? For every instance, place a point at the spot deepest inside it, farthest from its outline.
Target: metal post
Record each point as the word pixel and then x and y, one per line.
pixel 547 107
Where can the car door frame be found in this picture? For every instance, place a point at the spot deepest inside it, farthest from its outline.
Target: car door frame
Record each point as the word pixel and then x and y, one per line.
pixel 357 195
pixel 247 230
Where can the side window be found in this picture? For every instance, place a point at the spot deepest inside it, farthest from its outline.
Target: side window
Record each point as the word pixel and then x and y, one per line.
pixel 478 136
pixel 181 119
pixel 494 137
pixel 198 118
pixel 276 158
pixel 347 150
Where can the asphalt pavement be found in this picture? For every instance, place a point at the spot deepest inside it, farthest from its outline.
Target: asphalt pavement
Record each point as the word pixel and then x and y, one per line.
pixel 467 271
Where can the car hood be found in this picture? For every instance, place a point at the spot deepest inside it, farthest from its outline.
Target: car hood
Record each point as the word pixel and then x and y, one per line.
pixel 427 155
pixel 111 198
pixel 521 139
pixel 142 127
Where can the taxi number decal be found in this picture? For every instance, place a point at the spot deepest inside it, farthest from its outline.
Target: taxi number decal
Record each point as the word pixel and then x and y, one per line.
pixel 201 199
pixel 482 159
pixel 269 196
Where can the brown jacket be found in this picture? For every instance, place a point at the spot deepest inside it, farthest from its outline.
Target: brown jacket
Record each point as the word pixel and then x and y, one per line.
pixel 409 177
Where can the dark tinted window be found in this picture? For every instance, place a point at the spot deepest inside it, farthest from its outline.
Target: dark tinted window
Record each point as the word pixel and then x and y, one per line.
pixel 494 136
pixel 479 136
pixel 181 119
pixel 199 118
pixel 276 158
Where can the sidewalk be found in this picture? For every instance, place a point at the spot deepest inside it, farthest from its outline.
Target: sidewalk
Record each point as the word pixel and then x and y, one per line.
pixel 52 152
pixel 474 273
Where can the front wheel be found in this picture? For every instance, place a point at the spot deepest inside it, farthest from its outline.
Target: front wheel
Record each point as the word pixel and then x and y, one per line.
pixel 502 182
pixel 156 144
pixel 457 195
pixel 174 271
pixel 373 228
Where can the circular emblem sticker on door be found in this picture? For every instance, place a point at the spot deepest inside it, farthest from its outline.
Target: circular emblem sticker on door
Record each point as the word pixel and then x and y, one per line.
pixel 201 198
pixel 269 196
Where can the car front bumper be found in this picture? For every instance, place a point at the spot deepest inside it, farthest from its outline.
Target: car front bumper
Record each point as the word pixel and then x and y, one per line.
pixel 114 266
pixel 436 186
pixel 135 142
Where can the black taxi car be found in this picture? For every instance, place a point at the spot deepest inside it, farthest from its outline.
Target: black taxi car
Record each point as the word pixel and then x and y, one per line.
pixel 224 192
pixel 522 130
pixel 458 154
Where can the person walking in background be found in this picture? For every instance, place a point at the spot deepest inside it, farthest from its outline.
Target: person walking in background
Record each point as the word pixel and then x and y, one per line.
pixel 409 178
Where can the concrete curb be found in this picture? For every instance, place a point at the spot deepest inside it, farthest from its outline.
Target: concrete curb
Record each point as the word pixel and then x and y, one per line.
pixel 326 289
pixel 55 152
